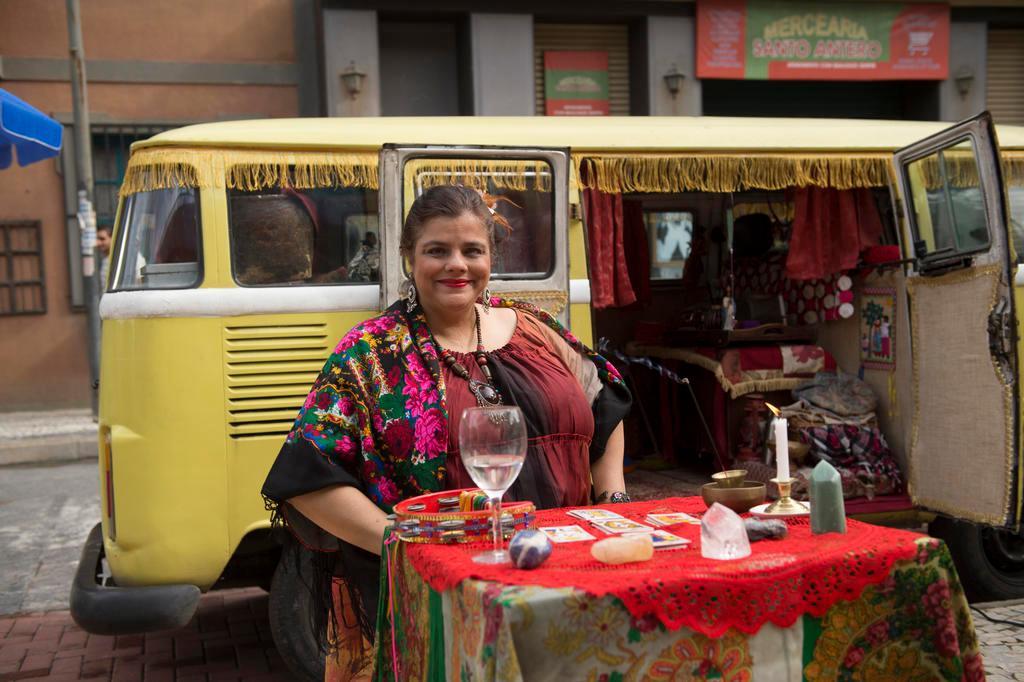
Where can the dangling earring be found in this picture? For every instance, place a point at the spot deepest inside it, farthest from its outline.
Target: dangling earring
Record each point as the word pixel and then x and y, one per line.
pixel 487 299
pixel 410 295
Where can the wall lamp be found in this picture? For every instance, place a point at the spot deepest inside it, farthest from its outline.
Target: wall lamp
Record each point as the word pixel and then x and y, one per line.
pixel 352 78
pixel 964 78
pixel 674 81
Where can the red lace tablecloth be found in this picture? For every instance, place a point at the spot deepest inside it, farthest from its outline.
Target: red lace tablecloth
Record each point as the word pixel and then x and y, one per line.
pixel 777 583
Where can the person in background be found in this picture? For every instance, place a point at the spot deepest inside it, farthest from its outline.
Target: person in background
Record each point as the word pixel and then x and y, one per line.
pixel 365 266
pixel 103 246
pixel 381 423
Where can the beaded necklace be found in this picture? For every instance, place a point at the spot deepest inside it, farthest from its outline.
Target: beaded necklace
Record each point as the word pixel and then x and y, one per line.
pixel 484 391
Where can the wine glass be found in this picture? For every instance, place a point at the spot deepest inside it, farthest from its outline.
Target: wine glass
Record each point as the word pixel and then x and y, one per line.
pixel 492 441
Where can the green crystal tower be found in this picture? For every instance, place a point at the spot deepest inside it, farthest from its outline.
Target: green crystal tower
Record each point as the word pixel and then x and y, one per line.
pixel 828 511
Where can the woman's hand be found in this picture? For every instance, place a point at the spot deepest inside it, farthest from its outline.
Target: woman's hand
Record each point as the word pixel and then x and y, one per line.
pixel 607 470
pixel 346 513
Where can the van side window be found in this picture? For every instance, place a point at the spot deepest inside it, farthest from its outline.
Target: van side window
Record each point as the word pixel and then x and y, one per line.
pixel 158 241
pixel 948 203
pixel 304 236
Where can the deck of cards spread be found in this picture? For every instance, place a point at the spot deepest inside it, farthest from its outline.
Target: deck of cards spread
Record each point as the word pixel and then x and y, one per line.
pixel 567 534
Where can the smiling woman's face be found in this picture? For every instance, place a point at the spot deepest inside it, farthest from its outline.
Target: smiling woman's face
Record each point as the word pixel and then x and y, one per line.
pixel 451 262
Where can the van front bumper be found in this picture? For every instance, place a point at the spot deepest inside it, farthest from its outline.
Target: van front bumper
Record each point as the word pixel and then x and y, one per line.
pixel 110 610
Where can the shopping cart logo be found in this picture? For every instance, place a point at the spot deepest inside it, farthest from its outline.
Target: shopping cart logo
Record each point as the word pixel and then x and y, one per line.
pixel 920 42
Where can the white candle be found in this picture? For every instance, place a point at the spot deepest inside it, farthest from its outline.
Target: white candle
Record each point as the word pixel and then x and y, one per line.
pixel 781 448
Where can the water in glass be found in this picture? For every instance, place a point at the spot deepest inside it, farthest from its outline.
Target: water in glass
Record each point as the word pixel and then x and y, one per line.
pixel 492 442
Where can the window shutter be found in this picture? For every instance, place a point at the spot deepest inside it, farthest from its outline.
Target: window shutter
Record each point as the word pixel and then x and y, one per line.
pixel 1005 86
pixel 611 38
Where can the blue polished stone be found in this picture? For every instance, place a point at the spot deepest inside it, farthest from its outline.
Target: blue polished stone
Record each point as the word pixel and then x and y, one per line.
pixel 529 548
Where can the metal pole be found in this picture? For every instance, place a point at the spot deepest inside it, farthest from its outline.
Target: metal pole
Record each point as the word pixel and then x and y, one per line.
pixel 86 214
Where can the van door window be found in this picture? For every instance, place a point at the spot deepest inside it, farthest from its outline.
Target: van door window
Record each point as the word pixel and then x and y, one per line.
pixel 948 204
pixel 531 258
pixel 524 250
pixel 304 236
pixel 159 244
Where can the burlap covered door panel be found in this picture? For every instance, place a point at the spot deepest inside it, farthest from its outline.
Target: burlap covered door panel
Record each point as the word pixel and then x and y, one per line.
pixel 963 453
pixel 963 447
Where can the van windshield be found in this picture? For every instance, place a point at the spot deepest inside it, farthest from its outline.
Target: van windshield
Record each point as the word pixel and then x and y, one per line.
pixel 158 241
pixel 304 237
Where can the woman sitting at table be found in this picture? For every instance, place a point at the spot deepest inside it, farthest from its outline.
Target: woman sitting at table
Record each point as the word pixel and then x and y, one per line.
pixel 381 422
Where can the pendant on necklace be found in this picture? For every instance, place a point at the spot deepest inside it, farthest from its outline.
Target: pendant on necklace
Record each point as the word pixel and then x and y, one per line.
pixel 486 395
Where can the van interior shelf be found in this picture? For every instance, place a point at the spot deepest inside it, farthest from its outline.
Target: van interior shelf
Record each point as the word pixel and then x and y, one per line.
pixel 690 337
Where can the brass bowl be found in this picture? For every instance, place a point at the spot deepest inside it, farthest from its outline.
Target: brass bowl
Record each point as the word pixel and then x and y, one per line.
pixel 739 499
pixel 797 451
pixel 730 478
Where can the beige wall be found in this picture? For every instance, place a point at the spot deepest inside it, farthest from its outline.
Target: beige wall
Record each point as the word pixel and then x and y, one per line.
pixel 44 363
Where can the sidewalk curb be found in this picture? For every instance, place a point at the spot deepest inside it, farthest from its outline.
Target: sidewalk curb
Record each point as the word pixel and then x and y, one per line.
pixel 49 449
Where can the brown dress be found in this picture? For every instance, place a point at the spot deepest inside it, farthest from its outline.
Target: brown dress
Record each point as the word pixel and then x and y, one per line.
pixel 537 371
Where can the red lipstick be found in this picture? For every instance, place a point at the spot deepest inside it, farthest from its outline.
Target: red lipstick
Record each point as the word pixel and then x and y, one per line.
pixel 454 283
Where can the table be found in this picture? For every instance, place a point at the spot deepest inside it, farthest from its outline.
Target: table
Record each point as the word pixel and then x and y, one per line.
pixel 876 604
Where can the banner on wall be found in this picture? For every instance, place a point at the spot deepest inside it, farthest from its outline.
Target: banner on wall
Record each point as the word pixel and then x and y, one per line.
pixel 764 40
pixel 575 83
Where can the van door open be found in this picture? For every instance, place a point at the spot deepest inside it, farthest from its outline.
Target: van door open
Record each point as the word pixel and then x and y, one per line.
pixel 531 261
pixel 964 457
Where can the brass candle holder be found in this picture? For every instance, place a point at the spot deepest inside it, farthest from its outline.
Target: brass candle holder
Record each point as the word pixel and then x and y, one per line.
pixel 785 505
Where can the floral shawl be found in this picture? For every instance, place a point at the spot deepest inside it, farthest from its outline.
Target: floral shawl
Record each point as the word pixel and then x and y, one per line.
pixel 377 410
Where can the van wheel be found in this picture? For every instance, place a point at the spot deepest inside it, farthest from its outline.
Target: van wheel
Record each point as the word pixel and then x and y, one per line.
pixel 289 613
pixel 990 561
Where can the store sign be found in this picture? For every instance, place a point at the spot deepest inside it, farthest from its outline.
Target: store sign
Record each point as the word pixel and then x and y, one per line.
pixel 576 83
pixel 763 40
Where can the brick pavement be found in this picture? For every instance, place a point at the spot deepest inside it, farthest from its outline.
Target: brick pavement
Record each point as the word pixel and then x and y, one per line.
pixel 229 639
pixel 1002 645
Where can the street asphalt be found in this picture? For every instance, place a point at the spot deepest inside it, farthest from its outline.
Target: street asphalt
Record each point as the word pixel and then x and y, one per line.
pixel 45 514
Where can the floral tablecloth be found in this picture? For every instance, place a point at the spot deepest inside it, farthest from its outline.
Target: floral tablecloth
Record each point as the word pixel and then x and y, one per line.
pixel 911 623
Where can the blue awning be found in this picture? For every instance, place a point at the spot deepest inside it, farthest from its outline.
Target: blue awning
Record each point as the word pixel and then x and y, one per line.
pixel 35 135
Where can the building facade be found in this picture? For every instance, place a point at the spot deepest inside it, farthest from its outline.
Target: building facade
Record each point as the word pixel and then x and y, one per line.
pixel 150 66
pixel 157 65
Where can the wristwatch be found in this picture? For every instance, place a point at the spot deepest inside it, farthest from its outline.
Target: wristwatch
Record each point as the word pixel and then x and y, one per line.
pixel 613 498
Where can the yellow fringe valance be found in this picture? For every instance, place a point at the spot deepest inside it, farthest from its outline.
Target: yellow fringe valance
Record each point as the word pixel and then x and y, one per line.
pixel 730 172
pixel 1013 168
pixel 253 170
pixel 962 169
pixel 248 170
pixel 483 174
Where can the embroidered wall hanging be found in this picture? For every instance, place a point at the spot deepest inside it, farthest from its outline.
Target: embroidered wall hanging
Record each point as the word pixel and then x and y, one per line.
pixel 877 327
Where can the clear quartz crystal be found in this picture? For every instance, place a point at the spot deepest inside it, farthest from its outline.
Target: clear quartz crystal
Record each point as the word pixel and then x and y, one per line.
pixel 722 534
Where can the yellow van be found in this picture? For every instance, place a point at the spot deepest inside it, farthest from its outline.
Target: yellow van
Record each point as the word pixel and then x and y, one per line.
pixel 244 250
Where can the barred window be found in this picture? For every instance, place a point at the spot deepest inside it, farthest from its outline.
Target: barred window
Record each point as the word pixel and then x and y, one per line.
pixel 22 284
pixel 111 147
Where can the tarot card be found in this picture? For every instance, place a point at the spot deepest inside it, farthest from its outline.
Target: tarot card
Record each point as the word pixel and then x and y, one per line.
pixel 662 539
pixel 594 514
pixel 671 518
pixel 621 526
pixel 567 534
